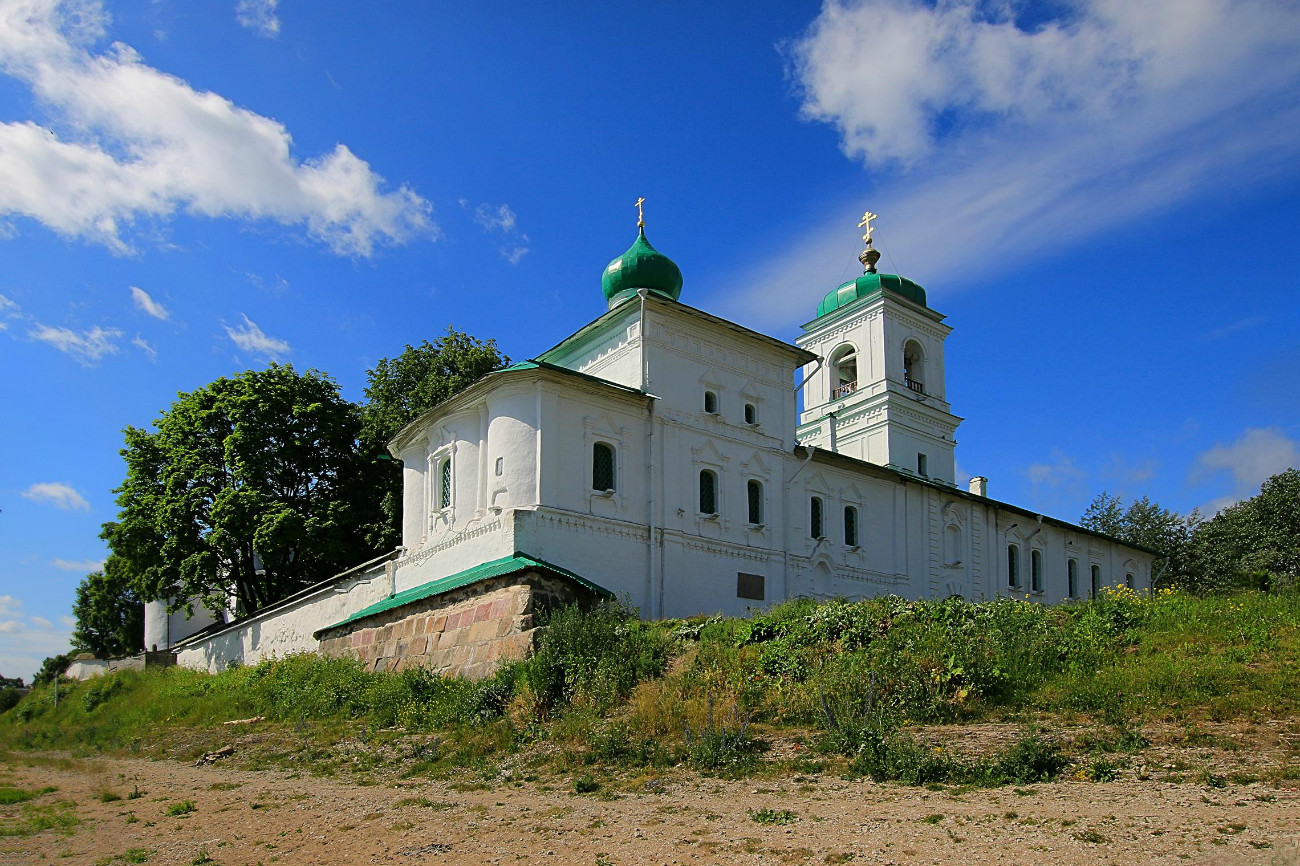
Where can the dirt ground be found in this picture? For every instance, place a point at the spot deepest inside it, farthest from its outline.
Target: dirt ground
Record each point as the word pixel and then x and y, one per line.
pixel 270 816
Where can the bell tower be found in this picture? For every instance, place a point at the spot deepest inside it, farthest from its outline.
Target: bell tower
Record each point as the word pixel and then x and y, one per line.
pixel 877 391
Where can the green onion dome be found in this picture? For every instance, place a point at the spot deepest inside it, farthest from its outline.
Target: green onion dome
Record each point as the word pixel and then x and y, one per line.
pixel 641 267
pixel 870 284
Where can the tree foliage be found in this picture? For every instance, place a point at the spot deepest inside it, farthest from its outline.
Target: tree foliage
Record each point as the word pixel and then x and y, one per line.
pixel 1255 543
pixel 109 612
pixel 51 667
pixel 251 487
pixel 1146 524
pixel 400 389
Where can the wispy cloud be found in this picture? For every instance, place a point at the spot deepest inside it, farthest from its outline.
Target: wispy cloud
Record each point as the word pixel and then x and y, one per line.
pixel 81 565
pixel 251 338
pixel 988 140
pixel 10 606
pixel 500 219
pixel 1259 453
pixel 25 642
pixel 86 347
pixel 136 143
pixel 143 345
pixel 58 494
pixel 148 305
pixel 1235 327
pixel 259 16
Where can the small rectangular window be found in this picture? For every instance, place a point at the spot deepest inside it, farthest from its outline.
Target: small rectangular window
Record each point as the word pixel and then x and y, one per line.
pixel 710 402
pixel 850 526
pixel 749 586
pixel 1036 570
pixel 755 490
pixel 444 483
pixel 1128 579
pixel 751 413
pixel 1072 574
pixel 1013 566
pixel 708 492
pixel 815 523
pixel 602 466
pixel 500 466
pixel 922 465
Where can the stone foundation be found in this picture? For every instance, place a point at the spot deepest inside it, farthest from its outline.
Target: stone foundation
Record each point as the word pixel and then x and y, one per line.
pixel 466 632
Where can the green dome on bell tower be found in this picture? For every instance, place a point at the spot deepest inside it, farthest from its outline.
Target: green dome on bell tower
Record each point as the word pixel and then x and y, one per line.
pixel 641 267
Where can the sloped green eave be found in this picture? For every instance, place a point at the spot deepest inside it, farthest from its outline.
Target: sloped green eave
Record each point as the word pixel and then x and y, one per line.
pixel 484 571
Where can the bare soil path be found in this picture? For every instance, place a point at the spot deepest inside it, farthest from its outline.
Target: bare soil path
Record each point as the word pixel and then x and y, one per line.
pixel 266 816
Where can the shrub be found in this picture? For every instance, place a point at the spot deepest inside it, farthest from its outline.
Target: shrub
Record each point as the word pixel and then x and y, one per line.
pixel 597 655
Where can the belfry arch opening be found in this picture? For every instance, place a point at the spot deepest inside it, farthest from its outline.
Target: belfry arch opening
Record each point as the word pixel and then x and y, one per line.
pixel 844 371
pixel 914 366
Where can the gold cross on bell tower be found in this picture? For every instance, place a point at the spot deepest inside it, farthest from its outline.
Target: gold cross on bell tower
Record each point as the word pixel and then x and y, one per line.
pixel 866 224
pixel 640 215
pixel 870 255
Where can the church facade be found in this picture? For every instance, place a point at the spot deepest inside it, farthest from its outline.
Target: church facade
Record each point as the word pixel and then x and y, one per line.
pixel 659 455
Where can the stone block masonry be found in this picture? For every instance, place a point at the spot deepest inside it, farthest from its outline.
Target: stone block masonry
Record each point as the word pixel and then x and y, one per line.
pixel 466 632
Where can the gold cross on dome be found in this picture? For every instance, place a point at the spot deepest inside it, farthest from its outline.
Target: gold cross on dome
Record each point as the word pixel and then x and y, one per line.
pixel 866 224
pixel 640 215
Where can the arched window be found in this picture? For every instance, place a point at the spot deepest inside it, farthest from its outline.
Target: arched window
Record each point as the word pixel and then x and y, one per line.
pixel 816 523
pixel 711 402
pixel 755 491
pixel 1035 570
pixel 844 371
pixel 708 492
pixel 1128 579
pixel 602 466
pixel 914 366
pixel 1013 566
pixel 751 413
pixel 850 526
pixel 444 483
pixel 1096 579
pixel 1072 578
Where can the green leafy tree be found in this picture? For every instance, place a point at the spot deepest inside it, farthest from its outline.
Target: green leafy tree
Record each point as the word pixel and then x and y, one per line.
pixel 109 612
pixel 398 391
pixel 1254 543
pixel 52 667
pixel 251 487
pixel 1146 524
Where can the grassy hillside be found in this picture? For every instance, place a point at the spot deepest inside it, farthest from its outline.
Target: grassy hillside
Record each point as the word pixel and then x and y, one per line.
pixel 850 687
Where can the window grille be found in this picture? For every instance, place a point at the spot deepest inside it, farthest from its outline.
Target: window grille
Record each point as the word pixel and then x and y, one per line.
pixel 602 466
pixel 708 492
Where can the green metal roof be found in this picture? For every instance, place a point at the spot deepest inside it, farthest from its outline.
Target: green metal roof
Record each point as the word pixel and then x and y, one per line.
pixel 870 284
pixel 484 571
pixel 641 267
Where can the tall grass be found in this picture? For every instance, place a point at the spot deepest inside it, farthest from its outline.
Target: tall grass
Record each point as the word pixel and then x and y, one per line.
pixel 604 687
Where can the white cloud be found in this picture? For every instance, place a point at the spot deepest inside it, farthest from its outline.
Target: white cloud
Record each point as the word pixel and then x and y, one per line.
pixel 144 302
pixel 259 16
pixel 24 645
pixel 81 565
pixel 1060 471
pixel 251 338
pixel 143 345
pixel 7 306
pixel 502 220
pixel 136 143
pixel 41 622
pixel 10 626
pixel 58 494
pixel 67 621
pixel 87 347
pixel 10 606
pixel 1260 453
pixel 988 140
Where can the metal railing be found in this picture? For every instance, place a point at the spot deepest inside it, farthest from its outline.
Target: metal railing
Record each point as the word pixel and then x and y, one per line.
pixel 844 390
pixel 912 384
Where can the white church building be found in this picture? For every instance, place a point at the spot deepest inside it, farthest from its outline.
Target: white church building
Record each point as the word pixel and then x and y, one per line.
pixel 659 455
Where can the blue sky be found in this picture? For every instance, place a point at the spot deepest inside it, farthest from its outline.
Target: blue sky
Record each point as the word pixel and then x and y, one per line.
pixel 1102 196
